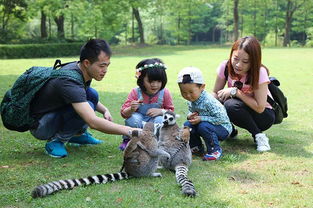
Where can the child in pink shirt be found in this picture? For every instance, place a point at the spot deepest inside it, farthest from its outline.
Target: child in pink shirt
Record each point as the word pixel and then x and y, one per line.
pixel 148 101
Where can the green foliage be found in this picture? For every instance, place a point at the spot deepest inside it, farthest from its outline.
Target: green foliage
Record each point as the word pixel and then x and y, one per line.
pixel 309 41
pixel 40 50
pixel 272 40
pixel 11 12
pixel 164 21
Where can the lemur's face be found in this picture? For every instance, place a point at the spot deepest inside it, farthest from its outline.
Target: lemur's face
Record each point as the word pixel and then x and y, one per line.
pixel 169 119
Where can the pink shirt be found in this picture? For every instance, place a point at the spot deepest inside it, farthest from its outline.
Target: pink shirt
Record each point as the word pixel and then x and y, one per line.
pixel 246 89
pixel 133 95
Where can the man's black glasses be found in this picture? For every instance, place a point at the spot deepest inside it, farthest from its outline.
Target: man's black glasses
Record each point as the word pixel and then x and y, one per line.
pixel 238 84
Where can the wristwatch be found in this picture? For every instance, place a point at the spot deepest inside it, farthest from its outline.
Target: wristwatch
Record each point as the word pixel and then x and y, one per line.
pixel 233 92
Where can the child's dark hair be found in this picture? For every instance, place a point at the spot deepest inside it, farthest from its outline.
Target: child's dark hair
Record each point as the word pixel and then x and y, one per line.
pixel 154 73
pixel 93 48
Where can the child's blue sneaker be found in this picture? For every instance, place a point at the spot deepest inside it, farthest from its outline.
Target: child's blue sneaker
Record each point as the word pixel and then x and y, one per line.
pixel 213 156
pixel 56 149
pixel 84 139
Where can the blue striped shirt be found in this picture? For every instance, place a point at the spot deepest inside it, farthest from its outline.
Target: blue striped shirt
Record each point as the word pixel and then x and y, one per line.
pixel 210 110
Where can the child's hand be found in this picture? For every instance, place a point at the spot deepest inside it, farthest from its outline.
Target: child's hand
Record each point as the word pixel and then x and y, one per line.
pixel 223 94
pixel 134 105
pixel 107 115
pixel 195 120
pixel 193 115
pixel 153 112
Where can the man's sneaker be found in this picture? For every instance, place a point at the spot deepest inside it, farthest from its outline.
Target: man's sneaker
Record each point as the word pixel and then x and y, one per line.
pixel 213 156
pixel 84 139
pixel 262 142
pixel 124 144
pixel 197 151
pixel 56 149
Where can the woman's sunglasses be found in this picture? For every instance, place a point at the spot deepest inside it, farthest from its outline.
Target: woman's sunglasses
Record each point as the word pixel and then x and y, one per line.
pixel 238 84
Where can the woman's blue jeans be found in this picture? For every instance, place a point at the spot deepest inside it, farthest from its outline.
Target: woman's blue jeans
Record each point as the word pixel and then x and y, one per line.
pixel 64 123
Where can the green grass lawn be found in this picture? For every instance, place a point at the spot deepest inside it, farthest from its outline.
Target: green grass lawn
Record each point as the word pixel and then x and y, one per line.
pixel 282 177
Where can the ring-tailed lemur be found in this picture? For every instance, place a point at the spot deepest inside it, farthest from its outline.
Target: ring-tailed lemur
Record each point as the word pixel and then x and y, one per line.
pixel 142 153
pixel 175 141
pixel 140 159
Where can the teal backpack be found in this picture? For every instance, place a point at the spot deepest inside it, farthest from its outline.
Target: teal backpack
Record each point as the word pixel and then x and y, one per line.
pixel 15 106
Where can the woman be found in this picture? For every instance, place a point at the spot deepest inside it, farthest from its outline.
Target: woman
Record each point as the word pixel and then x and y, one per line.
pixel 245 99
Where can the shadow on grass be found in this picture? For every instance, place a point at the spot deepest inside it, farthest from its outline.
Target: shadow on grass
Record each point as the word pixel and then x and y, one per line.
pixel 285 142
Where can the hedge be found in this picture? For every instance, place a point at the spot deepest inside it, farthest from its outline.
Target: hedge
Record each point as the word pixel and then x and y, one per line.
pixel 40 50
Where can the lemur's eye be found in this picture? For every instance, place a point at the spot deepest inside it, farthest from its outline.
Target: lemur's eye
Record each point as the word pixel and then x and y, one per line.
pixel 165 117
pixel 171 119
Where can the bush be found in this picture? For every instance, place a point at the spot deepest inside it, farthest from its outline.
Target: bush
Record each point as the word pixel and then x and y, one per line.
pixel 39 50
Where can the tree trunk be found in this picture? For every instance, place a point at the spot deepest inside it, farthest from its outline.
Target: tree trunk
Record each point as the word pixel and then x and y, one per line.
pixel 242 24
pixel 178 29
pixel 43 26
pixel 213 34
pixel 50 33
pixel 160 32
pixel 60 25
pixel 133 28
pixel 140 27
pixel 254 19
pixel 236 20
pixel 72 26
pixel 287 30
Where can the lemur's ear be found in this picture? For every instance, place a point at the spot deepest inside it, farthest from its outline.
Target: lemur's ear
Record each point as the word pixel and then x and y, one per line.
pixel 177 116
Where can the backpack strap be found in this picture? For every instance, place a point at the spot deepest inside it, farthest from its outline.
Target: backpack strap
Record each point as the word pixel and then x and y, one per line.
pixel 226 71
pixel 58 64
pixel 139 93
pixel 271 101
pixel 161 96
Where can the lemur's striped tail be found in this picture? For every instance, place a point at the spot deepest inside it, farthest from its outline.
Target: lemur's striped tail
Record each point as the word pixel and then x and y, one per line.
pixel 187 186
pixel 52 187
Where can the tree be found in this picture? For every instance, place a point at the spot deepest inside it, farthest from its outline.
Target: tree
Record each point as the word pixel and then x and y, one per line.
pixel 303 19
pixel 10 9
pixel 140 26
pixel 43 26
pixel 59 20
pixel 292 6
pixel 236 20
pixel 53 9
